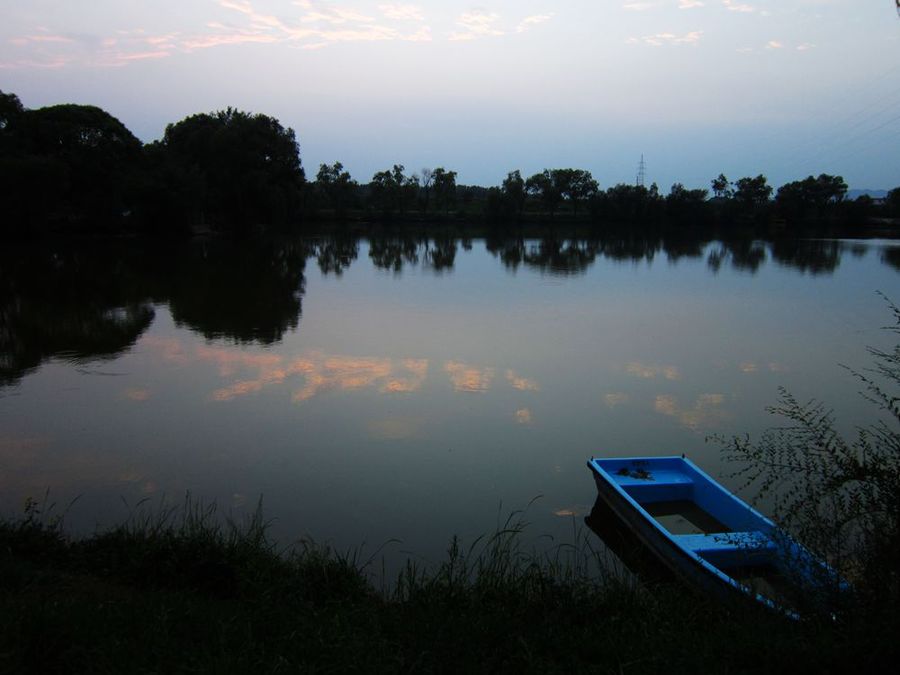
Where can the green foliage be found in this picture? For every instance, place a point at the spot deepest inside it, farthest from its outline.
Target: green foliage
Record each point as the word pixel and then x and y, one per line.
pixel 839 497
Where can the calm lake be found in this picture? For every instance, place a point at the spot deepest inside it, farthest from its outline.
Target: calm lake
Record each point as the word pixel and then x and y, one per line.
pixel 407 388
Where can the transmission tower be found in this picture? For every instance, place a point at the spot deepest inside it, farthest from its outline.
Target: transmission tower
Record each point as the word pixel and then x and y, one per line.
pixel 641 172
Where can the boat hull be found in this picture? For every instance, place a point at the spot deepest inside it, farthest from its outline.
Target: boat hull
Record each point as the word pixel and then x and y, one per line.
pixel 726 538
pixel 684 567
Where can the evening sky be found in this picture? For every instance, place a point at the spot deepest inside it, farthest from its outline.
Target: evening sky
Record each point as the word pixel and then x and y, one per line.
pixel 786 88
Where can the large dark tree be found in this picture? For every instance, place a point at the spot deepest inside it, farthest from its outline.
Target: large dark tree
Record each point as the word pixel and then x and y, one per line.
pixel 247 169
pixel 892 202
pixel 73 166
pixel 10 109
pixel 810 198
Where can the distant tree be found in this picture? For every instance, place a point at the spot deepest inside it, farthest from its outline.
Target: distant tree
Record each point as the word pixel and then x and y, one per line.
pixel 249 166
pixel 892 202
pixel 335 185
pixel 391 190
pixel 576 185
pixel 444 188
pixel 383 192
pixel 513 191
pixel 543 186
pixel 426 179
pixel 720 187
pixel 811 197
pixel 679 193
pixel 752 192
pixel 685 207
pixel 407 187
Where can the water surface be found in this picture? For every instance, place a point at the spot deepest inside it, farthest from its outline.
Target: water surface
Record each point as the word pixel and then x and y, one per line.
pixel 407 388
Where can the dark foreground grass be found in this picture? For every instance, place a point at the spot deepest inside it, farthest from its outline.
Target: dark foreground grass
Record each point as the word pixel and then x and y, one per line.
pixel 178 592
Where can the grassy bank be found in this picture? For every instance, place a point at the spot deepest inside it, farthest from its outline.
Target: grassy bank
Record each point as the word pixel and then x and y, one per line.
pixel 178 592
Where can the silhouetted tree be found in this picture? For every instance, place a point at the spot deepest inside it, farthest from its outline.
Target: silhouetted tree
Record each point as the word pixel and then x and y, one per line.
pixel 72 165
pixel 686 207
pixel 720 187
pixel 752 192
pixel 513 189
pixel 10 109
pixel 892 202
pixel 505 204
pixel 542 186
pixel 249 167
pixel 628 204
pixel 392 191
pixel 426 179
pixel 444 188
pixel 335 185
pixel 573 185
pixel 811 197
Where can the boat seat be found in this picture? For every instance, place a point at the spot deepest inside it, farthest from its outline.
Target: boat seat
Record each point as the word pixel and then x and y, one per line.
pixel 722 542
pixel 657 477
pixel 659 485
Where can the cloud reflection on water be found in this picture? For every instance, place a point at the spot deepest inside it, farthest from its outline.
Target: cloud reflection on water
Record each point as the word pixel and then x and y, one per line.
pixel 645 371
pixel 469 378
pixel 705 412
pixel 521 383
pixel 255 371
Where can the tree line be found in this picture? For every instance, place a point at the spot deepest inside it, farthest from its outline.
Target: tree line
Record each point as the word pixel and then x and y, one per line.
pixel 76 168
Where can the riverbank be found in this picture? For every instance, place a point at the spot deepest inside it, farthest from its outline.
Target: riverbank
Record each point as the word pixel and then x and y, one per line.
pixel 177 592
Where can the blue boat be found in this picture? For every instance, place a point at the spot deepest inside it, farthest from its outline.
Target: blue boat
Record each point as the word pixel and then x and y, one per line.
pixel 706 536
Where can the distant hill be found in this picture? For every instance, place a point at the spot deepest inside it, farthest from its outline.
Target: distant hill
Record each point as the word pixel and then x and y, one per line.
pixel 874 194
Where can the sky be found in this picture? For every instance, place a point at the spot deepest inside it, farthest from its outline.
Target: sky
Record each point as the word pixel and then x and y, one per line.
pixel 786 88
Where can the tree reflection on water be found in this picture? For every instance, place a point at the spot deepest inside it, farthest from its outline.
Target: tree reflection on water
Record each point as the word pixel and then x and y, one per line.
pixel 91 301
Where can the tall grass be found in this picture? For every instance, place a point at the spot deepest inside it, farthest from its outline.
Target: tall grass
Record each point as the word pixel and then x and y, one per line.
pixel 184 589
pixel 839 496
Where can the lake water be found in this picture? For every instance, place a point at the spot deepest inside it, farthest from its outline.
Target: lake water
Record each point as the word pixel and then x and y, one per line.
pixel 409 389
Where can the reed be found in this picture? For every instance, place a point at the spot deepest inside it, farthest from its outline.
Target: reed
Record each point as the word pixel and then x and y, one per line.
pixel 181 588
